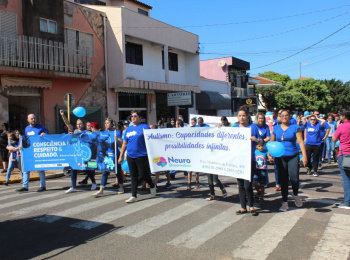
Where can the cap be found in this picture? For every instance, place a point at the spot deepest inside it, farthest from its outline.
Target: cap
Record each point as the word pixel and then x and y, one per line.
pixel 94 125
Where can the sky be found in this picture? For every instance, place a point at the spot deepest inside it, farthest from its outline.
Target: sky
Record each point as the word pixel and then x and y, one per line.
pixel 273 35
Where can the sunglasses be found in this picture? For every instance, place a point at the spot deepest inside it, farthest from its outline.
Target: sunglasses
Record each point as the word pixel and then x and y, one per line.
pixel 133 116
pixel 312 119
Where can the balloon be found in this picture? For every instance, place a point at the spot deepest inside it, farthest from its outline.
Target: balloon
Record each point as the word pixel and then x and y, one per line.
pixel 298 147
pixel 276 149
pixel 268 113
pixel 295 117
pixel 338 143
pixel 306 113
pixel 125 166
pixel 300 156
pixel 79 112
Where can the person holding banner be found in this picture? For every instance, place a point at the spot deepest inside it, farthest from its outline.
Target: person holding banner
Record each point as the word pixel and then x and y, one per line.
pixel 34 129
pixel 134 144
pixel 80 128
pixel 109 126
pixel 245 186
pixel 288 164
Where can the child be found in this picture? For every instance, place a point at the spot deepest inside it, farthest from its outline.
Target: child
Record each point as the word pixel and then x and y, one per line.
pixel 260 176
pixel 14 149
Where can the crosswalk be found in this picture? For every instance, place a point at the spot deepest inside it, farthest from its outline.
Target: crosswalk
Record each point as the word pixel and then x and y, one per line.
pixel 168 209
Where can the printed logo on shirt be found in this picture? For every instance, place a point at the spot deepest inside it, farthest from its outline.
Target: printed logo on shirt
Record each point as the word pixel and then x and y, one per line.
pixel 260 162
pixel 131 134
pixel 31 133
pixel 311 130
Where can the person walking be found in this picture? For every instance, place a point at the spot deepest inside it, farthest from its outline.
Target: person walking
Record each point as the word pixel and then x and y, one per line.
pixel 15 154
pixel 329 140
pixel 3 143
pixel 34 129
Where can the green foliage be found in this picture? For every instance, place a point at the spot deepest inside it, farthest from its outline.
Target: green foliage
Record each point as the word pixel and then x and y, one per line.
pixel 317 93
pixel 275 76
pixel 268 94
pixel 340 93
pixel 292 100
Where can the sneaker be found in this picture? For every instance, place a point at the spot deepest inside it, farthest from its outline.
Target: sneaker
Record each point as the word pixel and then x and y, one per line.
pixel 153 192
pixel 315 174
pixel 189 187
pixel 22 189
pixel 308 172
pixel 198 185
pixel 344 205
pixel 320 167
pixel 131 200
pixel 93 186
pixel 97 193
pixel 277 188
pixel 224 194
pixel 3 171
pixel 6 183
pixel 284 207
pixel 167 185
pixel 298 201
pixel 71 190
pixel 41 189
pixel 210 198
pixel 83 182
pixel 120 191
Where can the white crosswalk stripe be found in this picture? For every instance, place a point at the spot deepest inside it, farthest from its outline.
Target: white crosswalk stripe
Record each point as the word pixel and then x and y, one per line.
pixel 122 212
pixel 255 246
pixel 335 242
pixel 164 218
pixel 19 194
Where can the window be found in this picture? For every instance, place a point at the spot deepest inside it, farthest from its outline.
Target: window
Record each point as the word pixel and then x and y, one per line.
pixel 141 11
pixel 48 26
pixel 8 23
pixel 133 53
pixel 79 41
pixel 172 61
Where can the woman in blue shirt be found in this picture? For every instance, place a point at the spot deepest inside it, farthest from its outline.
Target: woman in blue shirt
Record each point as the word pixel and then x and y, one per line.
pixel 245 187
pixel 329 142
pixel 288 164
pixel 263 129
pixel 134 144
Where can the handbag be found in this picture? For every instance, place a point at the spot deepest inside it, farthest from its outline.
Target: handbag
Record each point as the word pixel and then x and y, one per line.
pixel 346 161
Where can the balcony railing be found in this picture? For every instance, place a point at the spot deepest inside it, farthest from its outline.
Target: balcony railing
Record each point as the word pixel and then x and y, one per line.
pixel 36 53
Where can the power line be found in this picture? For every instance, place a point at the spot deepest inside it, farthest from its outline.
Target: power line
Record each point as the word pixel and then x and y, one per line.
pixel 307 48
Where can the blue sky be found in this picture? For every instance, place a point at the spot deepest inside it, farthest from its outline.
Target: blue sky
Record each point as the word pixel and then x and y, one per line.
pixel 264 32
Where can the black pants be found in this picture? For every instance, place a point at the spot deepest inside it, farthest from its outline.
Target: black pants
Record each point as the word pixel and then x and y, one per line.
pixel 139 168
pixel 288 168
pixel 214 178
pixel 245 189
pixel 315 151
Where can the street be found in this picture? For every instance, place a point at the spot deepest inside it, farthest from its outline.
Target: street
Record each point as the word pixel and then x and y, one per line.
pixel 175 224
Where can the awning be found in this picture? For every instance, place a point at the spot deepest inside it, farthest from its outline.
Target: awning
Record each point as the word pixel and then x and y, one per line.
pixel 213 100
pixel 134 90
pixel 26 82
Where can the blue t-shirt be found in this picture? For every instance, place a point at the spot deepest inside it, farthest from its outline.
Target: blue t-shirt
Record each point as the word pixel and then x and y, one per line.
pixel 323 131
pixel 136 146
pixel 254 132
pixel 292 121
pixel 204 125
pixel 289 138
pixel 35 130
pixel 333 127
pixel 261 159
pixel 313 134
pixel 264 131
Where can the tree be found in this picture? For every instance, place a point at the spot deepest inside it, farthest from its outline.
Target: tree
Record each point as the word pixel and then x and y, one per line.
pixel 317 93
pixel 340 93
pixel 268 95
pixel 292 100
pixel 275 76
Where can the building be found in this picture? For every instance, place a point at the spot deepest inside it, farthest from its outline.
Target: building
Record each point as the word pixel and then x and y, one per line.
pixel 234 71
pixel 147 59
pixel 50 49
pixel 264 82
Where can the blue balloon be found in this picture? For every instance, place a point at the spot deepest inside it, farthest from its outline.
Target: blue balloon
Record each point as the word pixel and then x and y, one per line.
pixel 295 117
pixel 300 156
pixel 79 112
pixel 125 166
pixel 268 113
pixel 306 113
pixel 276 149
pixel 338 143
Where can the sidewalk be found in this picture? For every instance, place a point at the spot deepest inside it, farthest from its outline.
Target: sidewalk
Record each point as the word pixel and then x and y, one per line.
pixel 16 176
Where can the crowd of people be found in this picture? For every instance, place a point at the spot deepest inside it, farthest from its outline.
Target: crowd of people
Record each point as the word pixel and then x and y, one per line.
pixel 309 139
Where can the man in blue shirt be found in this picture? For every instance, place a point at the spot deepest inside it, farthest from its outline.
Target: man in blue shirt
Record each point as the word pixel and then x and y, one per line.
pixel 201 123
pixel 34 129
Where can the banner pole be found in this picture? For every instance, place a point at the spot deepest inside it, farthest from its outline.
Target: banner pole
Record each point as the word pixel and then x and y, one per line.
pixel 68 107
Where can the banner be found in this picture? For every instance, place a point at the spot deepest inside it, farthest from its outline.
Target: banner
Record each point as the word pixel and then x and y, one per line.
pixel 69 151
pixel 223 151
pixel 215 120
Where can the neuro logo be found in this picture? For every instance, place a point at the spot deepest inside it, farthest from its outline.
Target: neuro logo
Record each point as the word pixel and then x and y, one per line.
pixel 160 161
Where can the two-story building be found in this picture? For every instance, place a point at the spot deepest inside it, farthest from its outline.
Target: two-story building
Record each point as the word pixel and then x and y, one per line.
pixel 49 49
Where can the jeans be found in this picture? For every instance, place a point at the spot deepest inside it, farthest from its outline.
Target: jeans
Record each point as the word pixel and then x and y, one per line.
pixel 245 189
pixel 315 151
pixel 288 168
pixel 213 178
pixel 12 166
pixel 26 177
pixel 321 154
pixel 105 175
pixel 74 173
pixel 139 168
pixel 276 174
pixel 330 148
pixel 345 174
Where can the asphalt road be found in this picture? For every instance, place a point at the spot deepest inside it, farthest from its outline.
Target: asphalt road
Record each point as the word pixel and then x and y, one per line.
pixel 176 224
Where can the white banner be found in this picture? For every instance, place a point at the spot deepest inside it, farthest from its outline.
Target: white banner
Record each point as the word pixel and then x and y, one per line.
pixel 215 120
pixel 223 151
